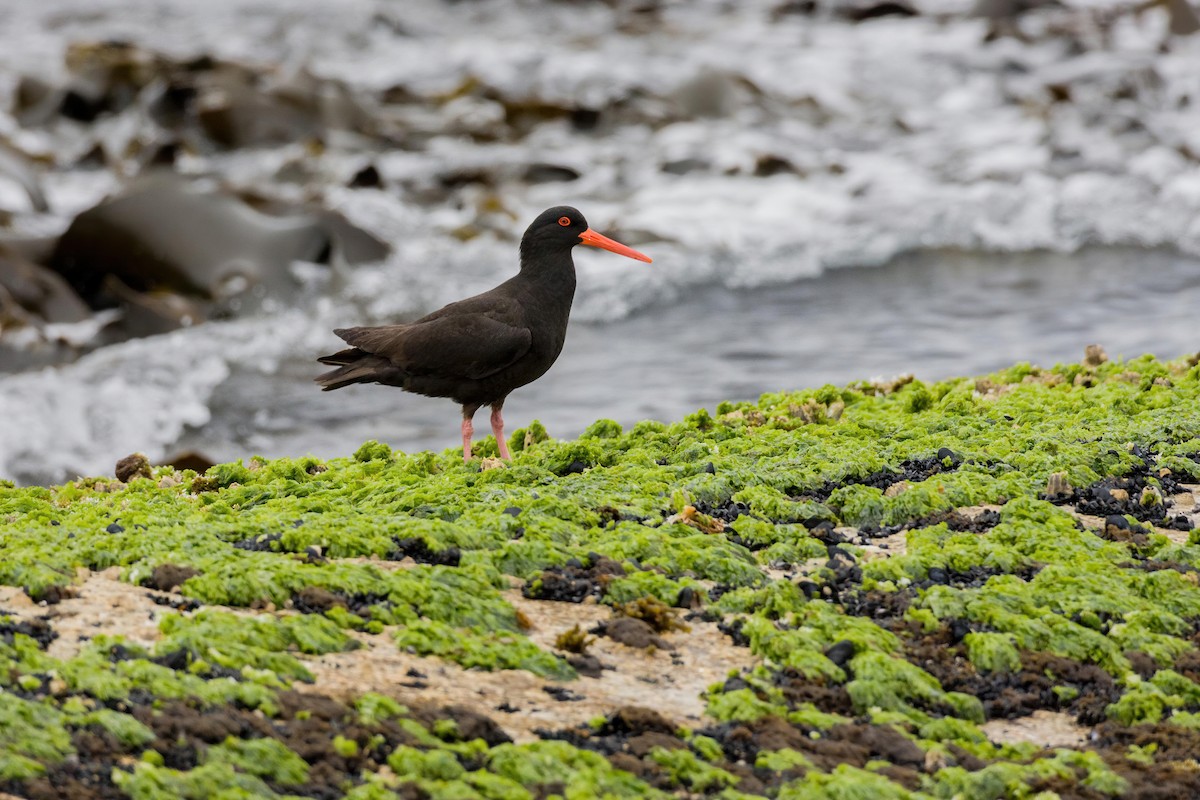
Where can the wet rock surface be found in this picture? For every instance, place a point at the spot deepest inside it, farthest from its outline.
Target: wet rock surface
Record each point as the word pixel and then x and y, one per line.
pixel 1143 492
pixel 307 725
pixel 166 577
pixel 419 550
pixel 631 632
pixel 130 253
pixel 39 630
pixel 910 471
pixel 573 582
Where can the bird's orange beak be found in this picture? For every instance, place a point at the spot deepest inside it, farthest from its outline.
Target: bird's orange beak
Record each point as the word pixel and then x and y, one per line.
pixel 593 239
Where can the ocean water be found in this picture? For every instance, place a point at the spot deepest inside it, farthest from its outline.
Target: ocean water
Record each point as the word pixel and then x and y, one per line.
pixel 824 201
pixel 932 314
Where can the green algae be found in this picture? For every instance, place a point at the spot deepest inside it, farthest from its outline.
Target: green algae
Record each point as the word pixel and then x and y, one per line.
pixel 440 765
pixel 647 583
pixel 992 652
pixel 1079 576
pixel 33 736
pixel 262 642
pixel 93 674
pixel 477 647
pixel 261 532
pixel 1149 701
pixel 263 758
pixel 585 774
pixel 679 550
pixel 510 772
pixel 893 684
pixel 770 503
pixel 688 771
pixel 151 782
pixel 993 782
pixel 124 728
pixel 742 705
pixel 781 760
pixel 374 707
pixel 845 783
pixel 998 781
pixel 883 679
pixel 706 747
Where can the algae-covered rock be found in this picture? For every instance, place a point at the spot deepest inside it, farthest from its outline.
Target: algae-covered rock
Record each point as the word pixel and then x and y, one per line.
pixel 837 636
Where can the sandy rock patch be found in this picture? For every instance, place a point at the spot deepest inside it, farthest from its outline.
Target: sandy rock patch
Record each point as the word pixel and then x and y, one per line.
pixel 522 703
pixel 1047 728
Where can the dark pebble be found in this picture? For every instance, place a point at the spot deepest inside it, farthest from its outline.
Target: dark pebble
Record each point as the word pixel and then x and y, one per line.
pixel 631 632
pixel 841 652
pixel 585 119
pixel 366 178
pixel 687 598
pixel 946 452
pixel 586 665
pixel 1117 521
pixel 132 466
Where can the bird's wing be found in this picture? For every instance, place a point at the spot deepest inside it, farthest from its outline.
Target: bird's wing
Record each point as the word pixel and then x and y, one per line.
pixel 494 304
pixel 381 340
pixel 471 346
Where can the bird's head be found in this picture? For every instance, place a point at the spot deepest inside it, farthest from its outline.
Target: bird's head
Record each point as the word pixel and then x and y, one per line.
pixel 562 227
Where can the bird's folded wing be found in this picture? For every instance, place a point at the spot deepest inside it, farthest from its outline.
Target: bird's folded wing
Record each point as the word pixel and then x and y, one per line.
pixel 469 346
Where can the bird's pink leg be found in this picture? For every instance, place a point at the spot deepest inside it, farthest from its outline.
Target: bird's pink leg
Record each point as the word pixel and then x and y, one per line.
pixel 498 430
pixel 467 431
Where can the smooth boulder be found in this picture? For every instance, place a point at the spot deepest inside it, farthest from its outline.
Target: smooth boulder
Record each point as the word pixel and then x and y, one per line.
pixel 165 234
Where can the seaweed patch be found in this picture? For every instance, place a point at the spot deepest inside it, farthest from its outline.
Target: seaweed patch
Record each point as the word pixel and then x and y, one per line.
pixel 881 573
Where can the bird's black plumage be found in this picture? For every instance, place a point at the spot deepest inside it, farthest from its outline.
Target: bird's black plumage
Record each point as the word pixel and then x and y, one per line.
pixel 478 350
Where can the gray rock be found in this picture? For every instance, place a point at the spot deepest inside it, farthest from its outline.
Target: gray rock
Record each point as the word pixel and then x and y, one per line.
pixel 167 234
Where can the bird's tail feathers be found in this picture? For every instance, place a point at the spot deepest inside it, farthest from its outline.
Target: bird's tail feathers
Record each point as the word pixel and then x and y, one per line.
pixel 342 376
pixel 355 366
pixel 348 356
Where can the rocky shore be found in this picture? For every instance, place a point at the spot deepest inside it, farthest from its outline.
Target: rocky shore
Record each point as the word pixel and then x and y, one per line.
pixel 370 161
pixel 980 588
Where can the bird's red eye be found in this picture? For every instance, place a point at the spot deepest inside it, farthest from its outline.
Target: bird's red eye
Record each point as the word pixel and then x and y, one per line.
pixel 564 221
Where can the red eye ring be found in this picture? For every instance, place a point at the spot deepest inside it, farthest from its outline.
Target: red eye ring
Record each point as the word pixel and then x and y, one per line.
pixel 564 221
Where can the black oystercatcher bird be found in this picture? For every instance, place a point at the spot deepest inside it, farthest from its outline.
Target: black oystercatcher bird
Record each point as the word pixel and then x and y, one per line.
pixel 476 351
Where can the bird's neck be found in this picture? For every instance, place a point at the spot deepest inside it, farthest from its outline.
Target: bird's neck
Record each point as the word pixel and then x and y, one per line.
pixel 548 273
